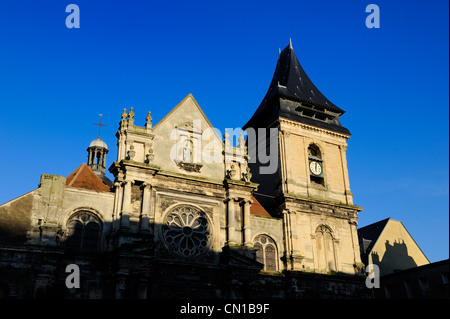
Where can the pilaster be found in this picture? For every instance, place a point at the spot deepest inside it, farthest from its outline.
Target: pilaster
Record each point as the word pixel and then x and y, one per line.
pixel 247 228
pixel 126 204
pixel 146 204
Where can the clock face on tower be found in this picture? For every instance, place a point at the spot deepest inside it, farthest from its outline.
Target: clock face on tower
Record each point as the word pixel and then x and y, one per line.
pixel 315 168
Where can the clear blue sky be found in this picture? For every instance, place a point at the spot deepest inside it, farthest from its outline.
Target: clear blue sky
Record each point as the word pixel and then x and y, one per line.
pixel 392 82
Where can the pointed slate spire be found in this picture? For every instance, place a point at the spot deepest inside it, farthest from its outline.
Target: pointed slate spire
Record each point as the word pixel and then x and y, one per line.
pixel 292 95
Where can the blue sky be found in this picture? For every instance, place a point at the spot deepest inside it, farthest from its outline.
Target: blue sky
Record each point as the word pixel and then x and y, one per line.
pixel 392 82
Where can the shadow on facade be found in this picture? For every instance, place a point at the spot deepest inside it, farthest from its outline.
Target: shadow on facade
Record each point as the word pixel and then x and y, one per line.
pixel 394 259
pixel 131 264
pixel 127 264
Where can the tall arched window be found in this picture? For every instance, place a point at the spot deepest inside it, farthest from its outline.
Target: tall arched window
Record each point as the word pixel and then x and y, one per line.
pixel 83 232
pixel 326 259
pixel 315 163
pixel 266 252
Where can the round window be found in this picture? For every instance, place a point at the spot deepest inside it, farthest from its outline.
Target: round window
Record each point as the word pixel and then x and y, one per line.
pixel 186 231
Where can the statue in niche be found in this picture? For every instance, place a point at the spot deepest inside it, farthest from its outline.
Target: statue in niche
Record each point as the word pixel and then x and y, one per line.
pixel 187 151
pixel 186 161
pixel 232 172
pixel 131 152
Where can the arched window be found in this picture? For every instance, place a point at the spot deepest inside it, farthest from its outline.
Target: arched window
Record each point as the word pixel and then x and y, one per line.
pixel 315 163
pixel 266 252
pixel 326 260
pixel 83 232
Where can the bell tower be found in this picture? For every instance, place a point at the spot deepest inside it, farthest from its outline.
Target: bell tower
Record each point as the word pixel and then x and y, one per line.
pixel 310 188
pixel 97 151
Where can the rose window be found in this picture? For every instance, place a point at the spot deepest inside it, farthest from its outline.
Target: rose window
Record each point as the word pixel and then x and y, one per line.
pixel 186 231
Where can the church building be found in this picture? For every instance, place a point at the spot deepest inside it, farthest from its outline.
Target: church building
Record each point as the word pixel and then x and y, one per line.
pixel 189 215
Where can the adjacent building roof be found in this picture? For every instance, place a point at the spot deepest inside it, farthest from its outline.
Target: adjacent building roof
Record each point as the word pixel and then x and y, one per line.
pixel 257 209
pixel 371 233
pixel 293 95
pixel 388 244
pixel 85 177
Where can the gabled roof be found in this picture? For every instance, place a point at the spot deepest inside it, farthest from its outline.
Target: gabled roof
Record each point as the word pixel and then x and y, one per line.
pixel 181 107
pixel 389 244
pixel 290 82
pixel 257 209
pixel 84 177
pixel 188 98
pixel 372 232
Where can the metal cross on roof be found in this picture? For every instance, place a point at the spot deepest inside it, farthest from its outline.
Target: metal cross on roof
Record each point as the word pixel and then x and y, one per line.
pixel 100 124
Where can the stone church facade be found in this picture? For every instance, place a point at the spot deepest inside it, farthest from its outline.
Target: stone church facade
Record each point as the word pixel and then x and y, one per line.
pixel 189 215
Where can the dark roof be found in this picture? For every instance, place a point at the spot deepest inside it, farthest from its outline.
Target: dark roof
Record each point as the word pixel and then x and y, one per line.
pixel 372 231
pixel 369 235
pixel 291 83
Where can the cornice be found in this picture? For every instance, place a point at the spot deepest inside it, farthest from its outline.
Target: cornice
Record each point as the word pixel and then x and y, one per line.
pixel 308 200
pixel 313 128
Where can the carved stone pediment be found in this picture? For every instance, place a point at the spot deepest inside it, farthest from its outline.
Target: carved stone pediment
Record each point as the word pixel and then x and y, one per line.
pixel 188 126
pixel 190 167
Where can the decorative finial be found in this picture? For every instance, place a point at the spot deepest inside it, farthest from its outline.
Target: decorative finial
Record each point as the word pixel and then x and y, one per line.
pixel 148 119
pixel 226 136
pixel 124 114
pixel 100 124
pixel 131 116
pixel 241 140
pixel 290 43
pixel 131 113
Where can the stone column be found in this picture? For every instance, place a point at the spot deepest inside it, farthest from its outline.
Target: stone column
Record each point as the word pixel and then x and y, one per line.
pixel 296 257
pixel 287 239
pixel 90 157
pixel 294 232
pixel 145 212
pixel 357 264
pixel 126 204
pixel 231 222
pixel 247 228
pixel 284 166
pixel 117 204
pixel 152 211
pixel 348 194
pixel 95 159
pixel 121 147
